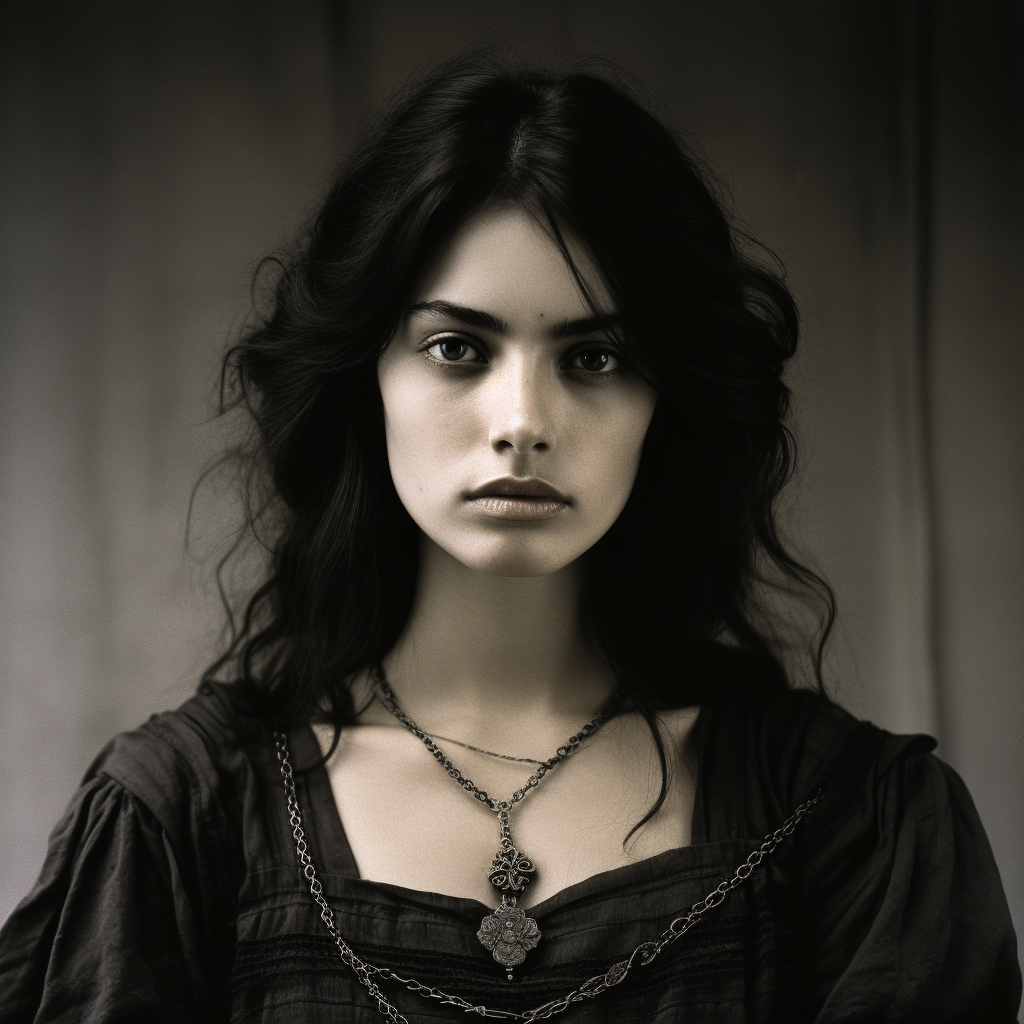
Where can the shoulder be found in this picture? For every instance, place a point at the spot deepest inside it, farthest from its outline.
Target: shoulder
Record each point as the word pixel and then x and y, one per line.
pixel 151 845
pixel 782 748
pixel 810 742
pixel 182 765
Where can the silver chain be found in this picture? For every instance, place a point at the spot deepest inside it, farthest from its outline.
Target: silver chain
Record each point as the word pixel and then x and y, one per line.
pixel 367 973
pixel 571 745
pixel 480 750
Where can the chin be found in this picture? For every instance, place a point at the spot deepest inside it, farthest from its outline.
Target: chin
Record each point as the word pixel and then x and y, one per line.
pixel 517 568
pixel 512 557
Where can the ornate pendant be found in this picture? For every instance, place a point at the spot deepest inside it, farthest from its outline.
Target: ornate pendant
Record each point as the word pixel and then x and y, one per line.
pixel 508 933
pixel 510 870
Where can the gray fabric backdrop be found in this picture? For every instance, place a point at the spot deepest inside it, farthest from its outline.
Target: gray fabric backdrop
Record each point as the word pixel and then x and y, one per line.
pixel 151 154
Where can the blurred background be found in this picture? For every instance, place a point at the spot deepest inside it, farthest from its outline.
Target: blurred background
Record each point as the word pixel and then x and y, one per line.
pixel 150 154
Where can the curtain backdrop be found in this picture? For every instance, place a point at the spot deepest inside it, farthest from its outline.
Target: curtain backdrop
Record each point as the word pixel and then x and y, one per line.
pixel 150 154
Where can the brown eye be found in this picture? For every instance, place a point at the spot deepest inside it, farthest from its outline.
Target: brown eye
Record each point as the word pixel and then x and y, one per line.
pixel 595 360
pixel 453 349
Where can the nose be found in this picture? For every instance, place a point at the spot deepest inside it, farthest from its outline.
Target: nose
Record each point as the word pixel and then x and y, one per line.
pixel 520 408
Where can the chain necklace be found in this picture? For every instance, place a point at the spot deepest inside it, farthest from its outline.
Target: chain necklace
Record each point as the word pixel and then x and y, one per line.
pixel 507 933
pixel 480 750
pixel 368 974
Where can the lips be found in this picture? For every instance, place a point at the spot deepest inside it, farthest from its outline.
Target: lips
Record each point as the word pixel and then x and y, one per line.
pixel 511 487
pixel 524 500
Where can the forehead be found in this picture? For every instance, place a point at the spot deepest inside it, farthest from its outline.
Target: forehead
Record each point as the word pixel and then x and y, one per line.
pixel 505 260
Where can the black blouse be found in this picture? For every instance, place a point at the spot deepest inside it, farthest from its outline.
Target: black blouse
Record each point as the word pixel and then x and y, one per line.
pixel 171 892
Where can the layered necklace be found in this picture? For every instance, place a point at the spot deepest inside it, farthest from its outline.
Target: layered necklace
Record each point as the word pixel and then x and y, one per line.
pixel 507 933
pixel 370 975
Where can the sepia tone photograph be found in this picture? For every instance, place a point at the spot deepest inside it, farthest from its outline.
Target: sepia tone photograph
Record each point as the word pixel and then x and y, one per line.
pixel 512 510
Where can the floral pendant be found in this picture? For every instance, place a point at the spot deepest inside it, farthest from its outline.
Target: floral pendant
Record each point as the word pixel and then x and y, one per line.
pixel 508 933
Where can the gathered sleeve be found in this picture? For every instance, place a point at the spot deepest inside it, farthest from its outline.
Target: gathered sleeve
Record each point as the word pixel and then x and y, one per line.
pixel 109 931
pixel 904 913
pixel 123 923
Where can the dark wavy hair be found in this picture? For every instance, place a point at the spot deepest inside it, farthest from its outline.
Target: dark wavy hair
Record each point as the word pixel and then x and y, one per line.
pixel 678 579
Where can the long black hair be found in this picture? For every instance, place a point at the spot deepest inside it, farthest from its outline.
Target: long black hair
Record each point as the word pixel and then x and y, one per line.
pixel 707 320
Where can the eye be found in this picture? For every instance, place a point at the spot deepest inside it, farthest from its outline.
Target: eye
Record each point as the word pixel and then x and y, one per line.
pixel 598 361
pixel 452 348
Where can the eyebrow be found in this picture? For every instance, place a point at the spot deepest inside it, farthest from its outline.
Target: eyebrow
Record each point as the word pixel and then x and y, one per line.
pixel 464 314
pixel 489 322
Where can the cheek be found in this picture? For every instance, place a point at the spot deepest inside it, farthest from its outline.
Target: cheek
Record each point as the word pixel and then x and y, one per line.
pixel 403 427
pixel 423 433
pixel 614 448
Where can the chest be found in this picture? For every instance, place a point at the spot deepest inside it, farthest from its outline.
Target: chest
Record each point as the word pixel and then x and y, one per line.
pixel 409 824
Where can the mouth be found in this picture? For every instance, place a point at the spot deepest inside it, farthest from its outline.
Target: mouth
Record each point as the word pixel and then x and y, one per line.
pixel 527 499
pixel 518 487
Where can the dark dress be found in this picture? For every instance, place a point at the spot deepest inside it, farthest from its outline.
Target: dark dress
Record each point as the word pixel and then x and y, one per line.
pixel 171 892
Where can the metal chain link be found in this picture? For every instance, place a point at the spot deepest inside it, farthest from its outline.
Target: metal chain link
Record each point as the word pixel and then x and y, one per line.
pixel 590 989
pixel 480 750
pixel 390 701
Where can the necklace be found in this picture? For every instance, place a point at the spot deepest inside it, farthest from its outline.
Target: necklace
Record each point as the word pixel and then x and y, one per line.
pixel 368 973
pixel 507 932
pixel 480 750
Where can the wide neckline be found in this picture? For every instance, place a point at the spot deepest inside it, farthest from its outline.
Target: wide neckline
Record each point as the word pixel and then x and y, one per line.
pixel 335 852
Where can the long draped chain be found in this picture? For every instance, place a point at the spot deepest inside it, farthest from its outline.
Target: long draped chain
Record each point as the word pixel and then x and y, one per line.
pixel 369 974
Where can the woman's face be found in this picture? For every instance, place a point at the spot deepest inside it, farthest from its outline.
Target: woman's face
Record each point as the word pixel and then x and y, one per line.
pixel 513 430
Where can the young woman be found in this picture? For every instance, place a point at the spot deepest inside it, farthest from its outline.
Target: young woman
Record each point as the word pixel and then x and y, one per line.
pixel 505 729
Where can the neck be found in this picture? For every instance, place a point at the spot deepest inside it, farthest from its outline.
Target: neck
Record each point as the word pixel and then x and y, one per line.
pixel 480 647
